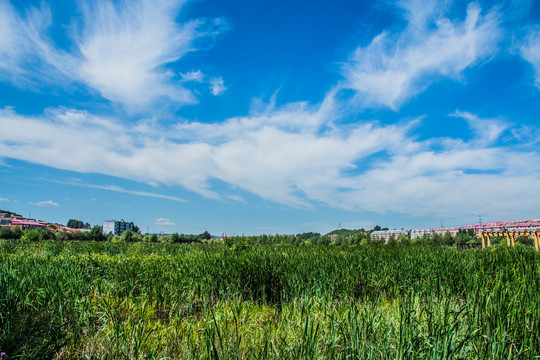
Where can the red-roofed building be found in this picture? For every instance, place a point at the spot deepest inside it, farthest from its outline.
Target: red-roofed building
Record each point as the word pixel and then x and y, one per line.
pixel 23 225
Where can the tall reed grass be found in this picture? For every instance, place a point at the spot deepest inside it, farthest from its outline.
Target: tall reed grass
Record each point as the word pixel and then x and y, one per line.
pixel 69 300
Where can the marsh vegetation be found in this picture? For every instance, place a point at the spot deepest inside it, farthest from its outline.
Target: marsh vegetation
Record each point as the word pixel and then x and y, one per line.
pixel 104 300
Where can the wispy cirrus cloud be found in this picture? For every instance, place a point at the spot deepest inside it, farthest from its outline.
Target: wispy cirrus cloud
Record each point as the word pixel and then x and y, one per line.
pixel 122 50
pixel 28 56
pixel 396 66
pixel 530 51
pixel 486 131
pixel 126 46
pixel 119 189
pixel 10 43
pixel 4 199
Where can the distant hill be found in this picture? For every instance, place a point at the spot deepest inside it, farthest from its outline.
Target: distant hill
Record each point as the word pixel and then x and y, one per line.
pixel 345 232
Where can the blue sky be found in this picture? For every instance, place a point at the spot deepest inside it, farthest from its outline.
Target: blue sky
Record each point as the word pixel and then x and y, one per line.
pixel 248 117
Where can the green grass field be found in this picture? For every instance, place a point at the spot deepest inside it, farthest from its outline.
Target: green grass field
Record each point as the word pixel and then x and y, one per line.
pixel 77 300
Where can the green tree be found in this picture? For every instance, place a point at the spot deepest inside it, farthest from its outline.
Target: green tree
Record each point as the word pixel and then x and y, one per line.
pixel 228 241
pixel 403 240
pixel 75 224
pixel 127 236
pixel 205 235
pixel 463 237
pixel 174 238
pixel 96 234
pixel 308 235
pixel 324 240
pixel 447 239
pixel 436 239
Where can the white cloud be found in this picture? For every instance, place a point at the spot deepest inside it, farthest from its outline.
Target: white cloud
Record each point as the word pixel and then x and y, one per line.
pixel 294 155
pixel 125 46
pixel 527 134
pixel 48 203
pixel 164 222
pixel 123 50
pixel 530 51
pixel 9 45
pixel 395 67
pixel 3 199
pixel 217 87
pixel 486 130
pixel 453 182
pixel 27 55
pixel 237 198
pixel 120 190
pixel 274 155
pixel 196 76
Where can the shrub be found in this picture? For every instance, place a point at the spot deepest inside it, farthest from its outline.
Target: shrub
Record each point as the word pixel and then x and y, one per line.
pixel 9 234
pixel 31 235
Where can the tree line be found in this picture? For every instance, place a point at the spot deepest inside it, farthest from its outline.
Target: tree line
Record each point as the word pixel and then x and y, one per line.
pixel 342 237
pixel 96 234
pixel 77 224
